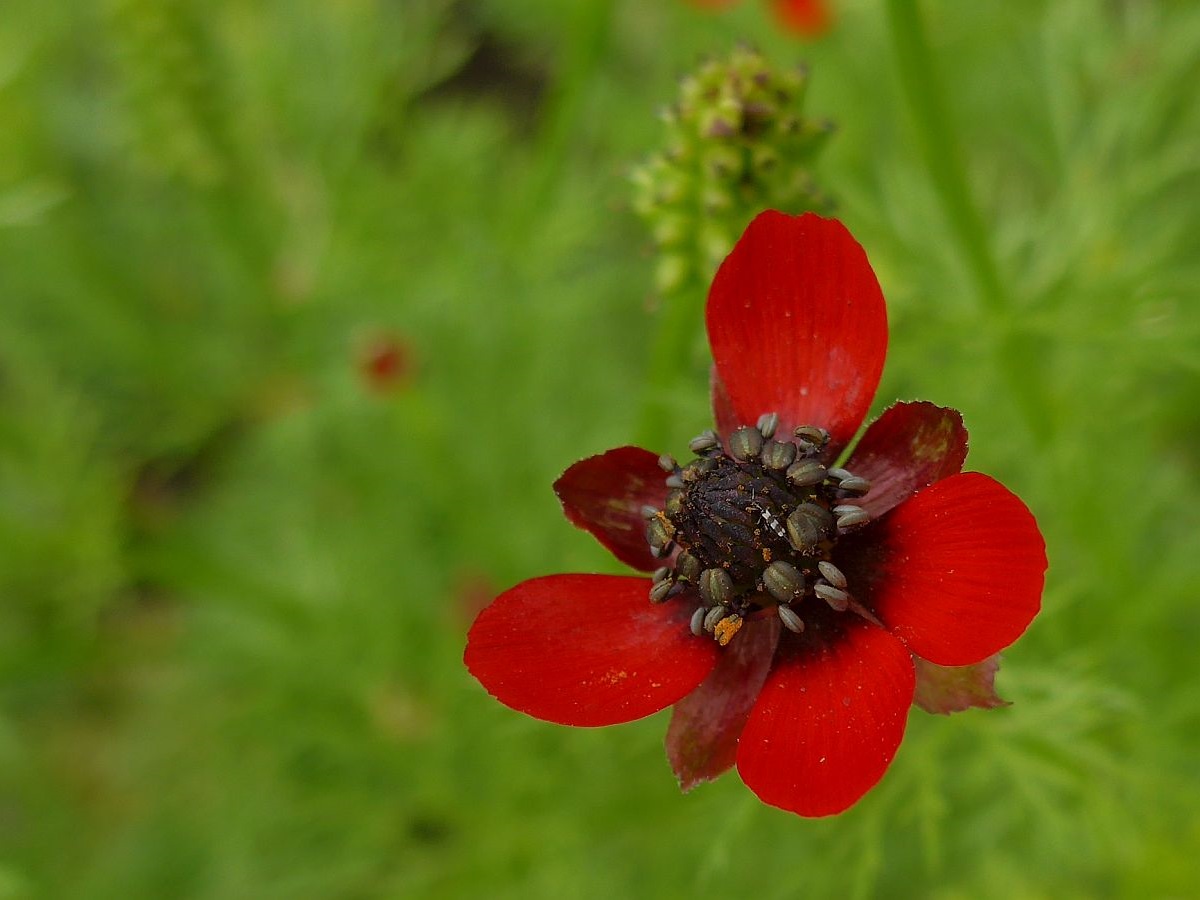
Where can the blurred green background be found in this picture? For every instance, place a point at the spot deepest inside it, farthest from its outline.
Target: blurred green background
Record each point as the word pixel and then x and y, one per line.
pixel 236 569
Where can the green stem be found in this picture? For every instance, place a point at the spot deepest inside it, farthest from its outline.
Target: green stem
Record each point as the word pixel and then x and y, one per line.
pixel 930 110
pixel 927 101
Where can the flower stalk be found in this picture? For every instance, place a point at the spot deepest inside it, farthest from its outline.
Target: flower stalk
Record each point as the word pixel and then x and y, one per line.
pixel 928 103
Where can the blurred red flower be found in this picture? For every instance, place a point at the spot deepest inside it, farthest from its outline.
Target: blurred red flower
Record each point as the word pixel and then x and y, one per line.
pixel 385 363
pixel 825 588
pixel 807 18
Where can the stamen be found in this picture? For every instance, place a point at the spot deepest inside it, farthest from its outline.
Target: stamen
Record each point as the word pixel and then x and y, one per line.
pixel 851 518
pixel 778 456
pixel 713 616
pixel 767 423
pixel 791 621
pixel 806 473
pixel 715 586
pixel 745 444
pixel 783 581
pixel 724 630
pixel 831 573
pixel 808 526
pixel 660 590
pixel 835 597
pixel 855 485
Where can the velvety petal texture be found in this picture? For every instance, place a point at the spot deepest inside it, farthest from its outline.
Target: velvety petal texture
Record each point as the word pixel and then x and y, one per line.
pixel 605 494
pixel 956 572
pixel 909 447
pixel 702 738
pixel 829 718
pixel 586 650
pixel 797 325
pixel 947 689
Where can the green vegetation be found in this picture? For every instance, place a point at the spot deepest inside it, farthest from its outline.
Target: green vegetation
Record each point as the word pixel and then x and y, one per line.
pixel 235 577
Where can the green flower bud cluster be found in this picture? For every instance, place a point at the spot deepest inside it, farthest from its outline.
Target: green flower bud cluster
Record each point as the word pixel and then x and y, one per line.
pixel 736 144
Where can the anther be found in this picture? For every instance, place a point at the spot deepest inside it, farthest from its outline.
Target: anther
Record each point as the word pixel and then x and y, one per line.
pixel 674 503
pixel 659 531
pixel 812 434
pixel 778 455
pixel 808 525
pixel 745 443
pixel 649 512
pixel 791 621
pixel 697 623
pixel 706 440
pixel 837 599
pixel 839 474
pixel 716 587
pixel 666 462
pixel 725 629
pixel 713 616
pixel 697 469
pixel 855 485
pixel 832 574
pixel 767 423
pixel 783 581
pixel 806 473
pixel 687 567
pixel 660 573
pixel 660 590
pixel 851 518
pixel 675 482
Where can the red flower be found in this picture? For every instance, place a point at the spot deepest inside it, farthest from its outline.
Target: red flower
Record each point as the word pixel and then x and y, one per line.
pixel 384 363
pixel 807 18
pixel 819 583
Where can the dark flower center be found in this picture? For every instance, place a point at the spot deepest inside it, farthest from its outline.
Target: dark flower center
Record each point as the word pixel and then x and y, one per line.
pixel 754 524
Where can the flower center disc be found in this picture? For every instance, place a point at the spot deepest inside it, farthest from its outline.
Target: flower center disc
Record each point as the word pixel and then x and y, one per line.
pixel 754 525
pixel 732 517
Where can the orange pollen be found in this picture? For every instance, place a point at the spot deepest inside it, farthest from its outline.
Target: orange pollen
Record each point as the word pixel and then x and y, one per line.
pixel 726 629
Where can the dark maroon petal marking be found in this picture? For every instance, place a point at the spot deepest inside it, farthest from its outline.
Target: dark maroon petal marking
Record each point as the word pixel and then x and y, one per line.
pixel 830 717
pixel 909 447
pixel 586 650
pixel 703 736
pixel 956 572
pixel 605 494
pixel 947 689
pixel 797 325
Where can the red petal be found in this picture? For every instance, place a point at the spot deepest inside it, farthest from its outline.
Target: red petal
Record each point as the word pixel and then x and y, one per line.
pixel 956 572
pixel 807 18
pixel 829 718
pixel 702 739
pixel 909 447
pixel 797 325
pixel 947 689
pixel 586 650
pixel 605 494
pixel 724 415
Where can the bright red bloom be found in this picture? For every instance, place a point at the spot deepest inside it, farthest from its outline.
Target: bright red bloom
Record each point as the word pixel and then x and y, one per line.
pixel 807 18
pixel 827 588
